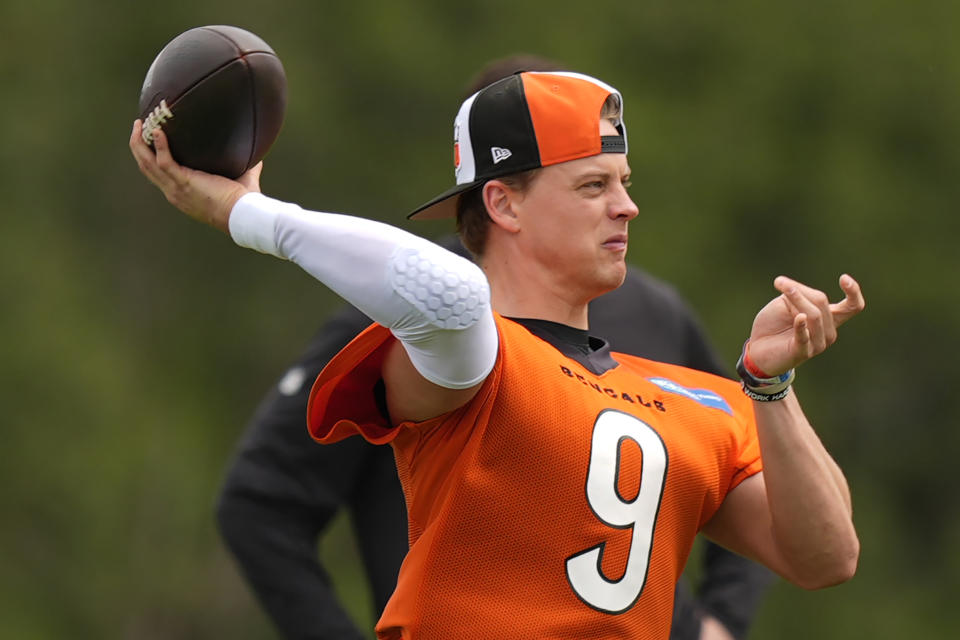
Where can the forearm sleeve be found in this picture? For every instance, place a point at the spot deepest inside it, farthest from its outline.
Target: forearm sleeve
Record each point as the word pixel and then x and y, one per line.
pixel 434 301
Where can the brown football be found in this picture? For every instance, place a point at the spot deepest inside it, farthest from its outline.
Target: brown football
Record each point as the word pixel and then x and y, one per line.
pixel 220 94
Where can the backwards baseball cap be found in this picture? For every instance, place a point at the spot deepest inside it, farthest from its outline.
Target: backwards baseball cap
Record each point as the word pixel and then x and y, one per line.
pixel 525 121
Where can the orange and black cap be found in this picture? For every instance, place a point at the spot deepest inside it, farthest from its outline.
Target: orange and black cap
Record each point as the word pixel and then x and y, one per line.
pixel 525 121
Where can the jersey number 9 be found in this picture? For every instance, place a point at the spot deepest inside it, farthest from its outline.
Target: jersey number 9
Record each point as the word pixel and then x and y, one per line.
pixel 584 570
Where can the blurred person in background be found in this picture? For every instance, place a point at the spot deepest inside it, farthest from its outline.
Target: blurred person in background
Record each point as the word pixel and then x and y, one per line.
pixel 282 490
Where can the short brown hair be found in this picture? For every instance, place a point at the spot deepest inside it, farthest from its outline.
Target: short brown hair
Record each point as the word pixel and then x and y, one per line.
pixel 473 222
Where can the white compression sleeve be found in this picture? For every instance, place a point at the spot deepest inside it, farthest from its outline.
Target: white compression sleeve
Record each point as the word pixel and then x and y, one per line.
pixel 435 302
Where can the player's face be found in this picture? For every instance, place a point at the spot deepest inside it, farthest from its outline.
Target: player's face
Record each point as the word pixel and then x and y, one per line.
pixel 575 217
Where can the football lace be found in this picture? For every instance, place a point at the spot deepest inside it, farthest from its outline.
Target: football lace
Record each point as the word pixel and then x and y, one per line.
pixel 154 120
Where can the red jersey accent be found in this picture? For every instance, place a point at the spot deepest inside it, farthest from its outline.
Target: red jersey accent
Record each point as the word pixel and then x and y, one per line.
pixel 556 503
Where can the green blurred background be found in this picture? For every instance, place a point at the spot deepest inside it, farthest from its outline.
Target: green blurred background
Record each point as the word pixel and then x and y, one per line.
pixel 807 138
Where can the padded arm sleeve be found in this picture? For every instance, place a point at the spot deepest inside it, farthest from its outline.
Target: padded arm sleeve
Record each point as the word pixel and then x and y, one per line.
pixel 435 302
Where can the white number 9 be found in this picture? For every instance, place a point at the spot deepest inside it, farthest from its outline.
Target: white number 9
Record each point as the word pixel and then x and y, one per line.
pixel 584 568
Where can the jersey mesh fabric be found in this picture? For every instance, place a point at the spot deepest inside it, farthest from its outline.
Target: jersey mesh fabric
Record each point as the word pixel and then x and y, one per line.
pixel 496 489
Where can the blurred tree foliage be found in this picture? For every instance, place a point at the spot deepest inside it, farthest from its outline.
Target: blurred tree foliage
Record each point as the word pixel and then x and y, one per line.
pixel 806 138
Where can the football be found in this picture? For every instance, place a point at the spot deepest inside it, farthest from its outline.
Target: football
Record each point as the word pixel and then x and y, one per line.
pixel 220 94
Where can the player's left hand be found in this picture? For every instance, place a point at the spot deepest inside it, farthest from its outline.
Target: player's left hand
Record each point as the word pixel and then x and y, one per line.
pixel 203 196
pixel 800 323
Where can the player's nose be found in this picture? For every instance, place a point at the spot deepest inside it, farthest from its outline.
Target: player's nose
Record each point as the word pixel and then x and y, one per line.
pixel 622 205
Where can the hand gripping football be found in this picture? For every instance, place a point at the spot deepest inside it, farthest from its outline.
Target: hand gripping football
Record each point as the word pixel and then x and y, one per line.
pixel 220 94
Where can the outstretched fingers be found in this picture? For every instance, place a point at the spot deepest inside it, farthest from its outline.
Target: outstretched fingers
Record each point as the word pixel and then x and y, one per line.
pixel 852 304
pixel 813 324
pixel 816 319
pixel 800 323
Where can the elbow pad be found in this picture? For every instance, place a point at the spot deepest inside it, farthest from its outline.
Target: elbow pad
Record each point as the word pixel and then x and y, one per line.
pixel 449 332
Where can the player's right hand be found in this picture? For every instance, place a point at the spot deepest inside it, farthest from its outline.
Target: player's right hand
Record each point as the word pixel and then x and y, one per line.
pixel 202 196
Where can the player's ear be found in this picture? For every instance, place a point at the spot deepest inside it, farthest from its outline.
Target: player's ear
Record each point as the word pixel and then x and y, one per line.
pixel 499 199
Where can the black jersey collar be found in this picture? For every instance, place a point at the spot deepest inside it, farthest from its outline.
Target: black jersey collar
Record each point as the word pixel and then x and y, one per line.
pixel 577 344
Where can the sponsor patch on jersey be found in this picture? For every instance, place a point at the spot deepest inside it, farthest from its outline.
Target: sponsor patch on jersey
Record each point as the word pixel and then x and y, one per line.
pixel 706 397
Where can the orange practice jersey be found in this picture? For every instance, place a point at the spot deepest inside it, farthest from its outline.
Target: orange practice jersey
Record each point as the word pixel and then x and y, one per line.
pixel 555 504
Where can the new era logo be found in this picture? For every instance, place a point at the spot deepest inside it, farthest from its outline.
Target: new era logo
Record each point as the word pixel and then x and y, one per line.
pixel 500 154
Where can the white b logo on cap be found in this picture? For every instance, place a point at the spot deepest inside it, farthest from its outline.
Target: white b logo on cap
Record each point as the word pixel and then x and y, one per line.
pixel 500 154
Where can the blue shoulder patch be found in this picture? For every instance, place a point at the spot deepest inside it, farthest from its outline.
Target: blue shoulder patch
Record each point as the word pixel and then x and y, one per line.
pixel 706 397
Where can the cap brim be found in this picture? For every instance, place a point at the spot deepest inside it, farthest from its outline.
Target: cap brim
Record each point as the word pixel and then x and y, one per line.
pixel 444 205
